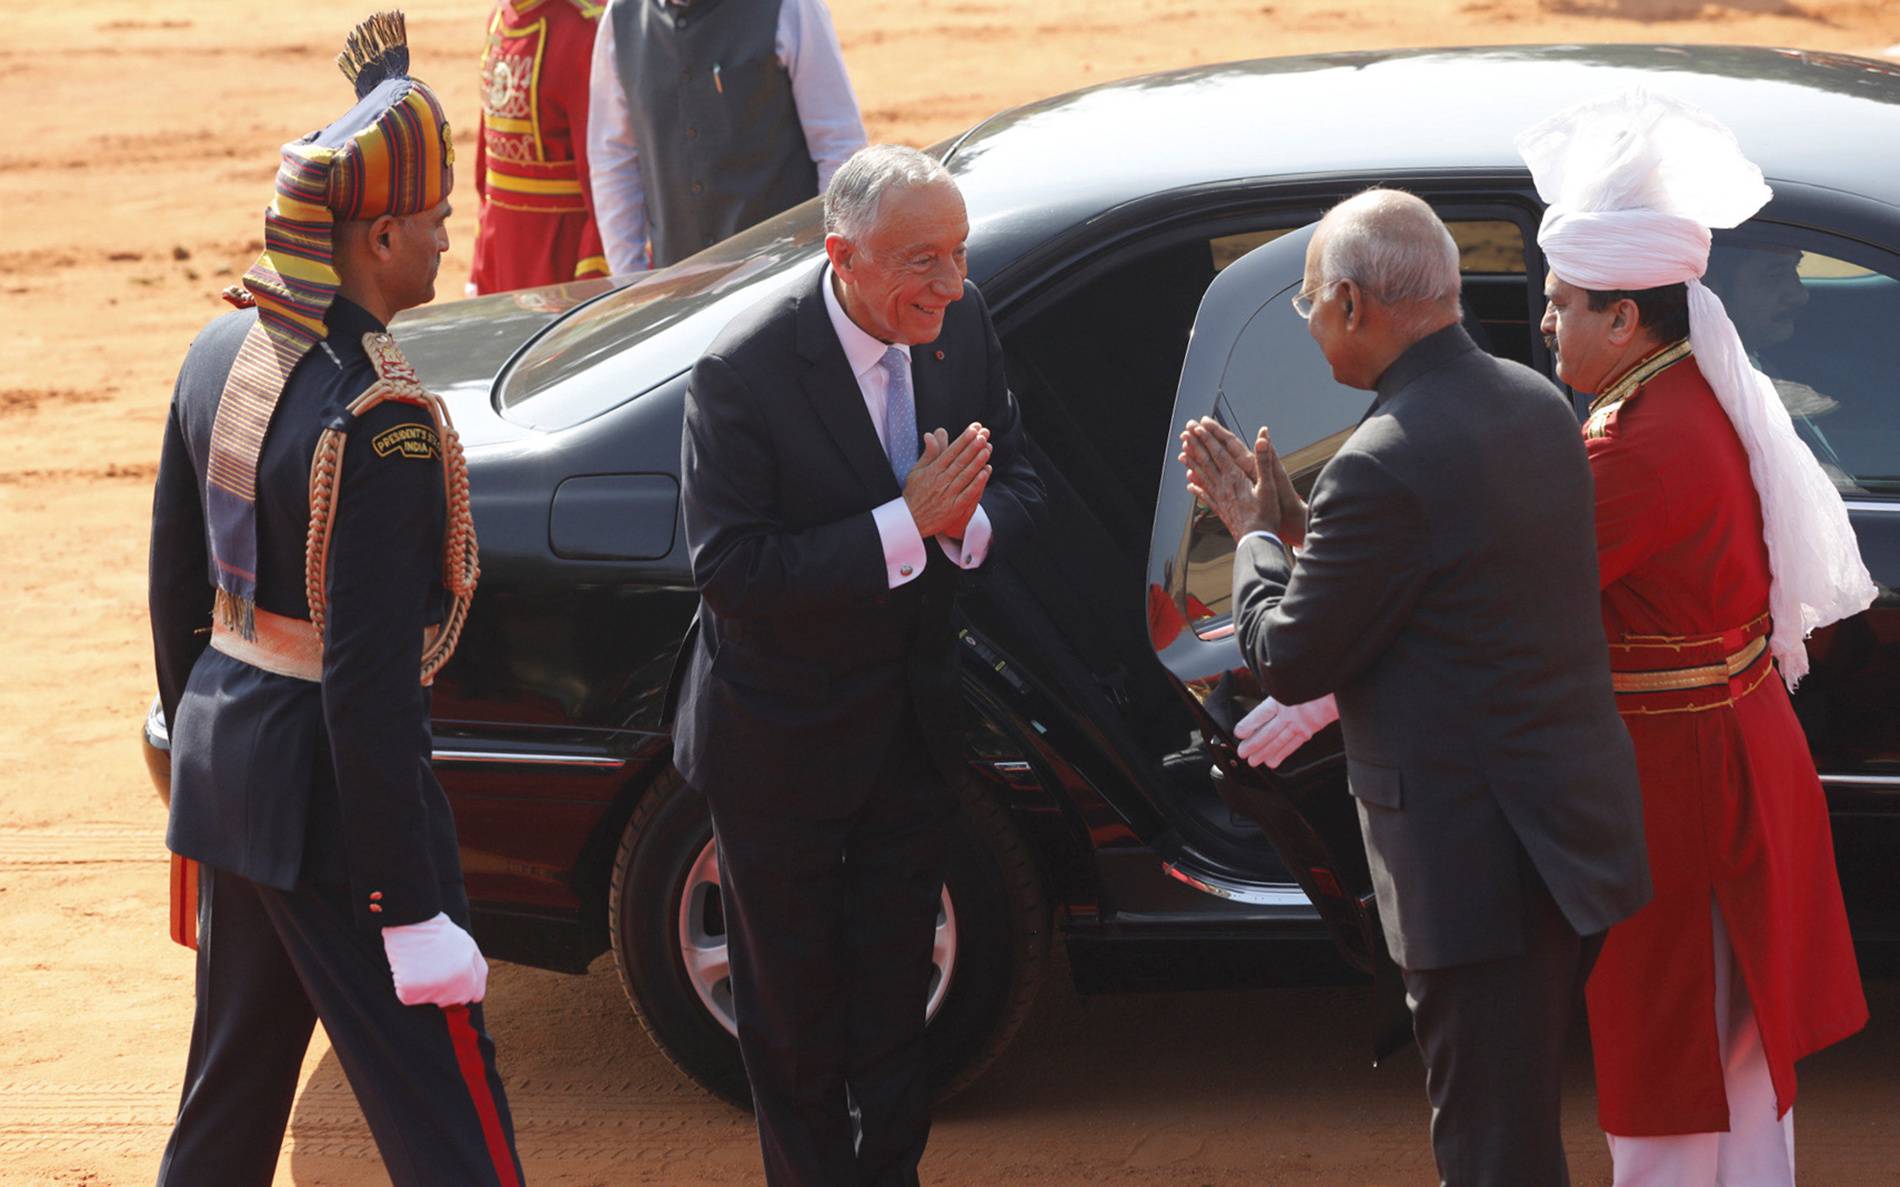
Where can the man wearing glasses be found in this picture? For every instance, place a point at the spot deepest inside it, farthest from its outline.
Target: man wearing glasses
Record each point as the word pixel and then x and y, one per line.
pixel 1445 594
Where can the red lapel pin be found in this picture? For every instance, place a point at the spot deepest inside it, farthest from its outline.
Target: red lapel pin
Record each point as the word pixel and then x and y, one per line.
pixel 940 356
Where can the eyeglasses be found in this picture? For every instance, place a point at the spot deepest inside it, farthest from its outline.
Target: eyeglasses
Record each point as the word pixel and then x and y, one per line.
pixel 1303 301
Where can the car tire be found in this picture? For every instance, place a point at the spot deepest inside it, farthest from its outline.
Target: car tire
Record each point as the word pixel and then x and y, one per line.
pixel 1000 919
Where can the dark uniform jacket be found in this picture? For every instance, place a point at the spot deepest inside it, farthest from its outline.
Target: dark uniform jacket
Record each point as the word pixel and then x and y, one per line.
pixel 805 659
pixel 1447 594
pixel 279 779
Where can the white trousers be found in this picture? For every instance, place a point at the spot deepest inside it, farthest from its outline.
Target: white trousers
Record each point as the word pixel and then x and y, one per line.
pixel 1758 1149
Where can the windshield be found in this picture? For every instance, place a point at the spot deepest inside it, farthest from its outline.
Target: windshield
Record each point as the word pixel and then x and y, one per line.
pixel 636 339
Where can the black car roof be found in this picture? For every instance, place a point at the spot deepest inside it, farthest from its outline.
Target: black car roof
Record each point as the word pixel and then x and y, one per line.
pixel 1823 119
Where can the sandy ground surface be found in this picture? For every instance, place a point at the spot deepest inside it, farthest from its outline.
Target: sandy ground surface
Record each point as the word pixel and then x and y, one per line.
pixel 144 143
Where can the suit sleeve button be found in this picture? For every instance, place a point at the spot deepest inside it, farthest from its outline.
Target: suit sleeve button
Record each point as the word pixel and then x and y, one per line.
pixel 375 909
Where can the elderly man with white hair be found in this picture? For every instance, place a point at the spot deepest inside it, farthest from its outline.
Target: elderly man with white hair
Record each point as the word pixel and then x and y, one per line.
pixel 820 711
pixel 1721 543
pixel 1443 597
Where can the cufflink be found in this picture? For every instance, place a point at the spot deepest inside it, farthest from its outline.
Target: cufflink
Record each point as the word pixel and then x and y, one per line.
pixel 904 570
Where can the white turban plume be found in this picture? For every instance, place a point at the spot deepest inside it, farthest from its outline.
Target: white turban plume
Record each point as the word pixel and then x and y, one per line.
pixel 1633 182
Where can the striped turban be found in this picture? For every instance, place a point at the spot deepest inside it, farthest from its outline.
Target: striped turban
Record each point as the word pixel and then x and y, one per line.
pixel 391 154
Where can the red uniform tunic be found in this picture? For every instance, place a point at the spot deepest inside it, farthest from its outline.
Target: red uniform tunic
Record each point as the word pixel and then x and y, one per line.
pixel 537 212
pixel 1731 805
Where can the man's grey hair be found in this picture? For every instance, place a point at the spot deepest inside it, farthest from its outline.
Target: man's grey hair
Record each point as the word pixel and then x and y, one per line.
pixel 852 198
pixel 1393 246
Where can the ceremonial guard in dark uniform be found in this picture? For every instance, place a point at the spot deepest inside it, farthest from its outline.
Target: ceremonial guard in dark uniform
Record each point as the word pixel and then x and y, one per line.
pixel 312 561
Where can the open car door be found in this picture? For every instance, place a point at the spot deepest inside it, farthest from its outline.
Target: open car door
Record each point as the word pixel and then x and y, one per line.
pixel 1251 362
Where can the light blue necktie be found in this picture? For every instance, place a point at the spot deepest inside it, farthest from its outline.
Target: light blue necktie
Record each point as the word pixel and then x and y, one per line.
pixel 900 414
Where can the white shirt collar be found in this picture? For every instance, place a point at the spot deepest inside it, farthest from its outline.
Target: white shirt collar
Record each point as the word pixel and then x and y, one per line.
pixel 861 350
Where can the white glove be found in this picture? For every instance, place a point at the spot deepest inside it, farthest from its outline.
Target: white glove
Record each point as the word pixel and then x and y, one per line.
pixel 1273 731
pixel 435 963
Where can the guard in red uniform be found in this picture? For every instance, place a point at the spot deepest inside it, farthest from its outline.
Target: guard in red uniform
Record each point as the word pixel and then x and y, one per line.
pixel 1720 545
pixel 537 217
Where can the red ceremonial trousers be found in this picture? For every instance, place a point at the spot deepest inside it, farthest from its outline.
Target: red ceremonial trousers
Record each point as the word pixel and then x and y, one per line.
pixel 1732 808
pixel 537 212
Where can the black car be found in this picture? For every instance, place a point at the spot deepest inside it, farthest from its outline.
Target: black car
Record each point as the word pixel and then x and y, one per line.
pixel 1136 242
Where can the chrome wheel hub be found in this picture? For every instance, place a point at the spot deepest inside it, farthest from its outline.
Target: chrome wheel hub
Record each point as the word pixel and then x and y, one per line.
pixel 705 955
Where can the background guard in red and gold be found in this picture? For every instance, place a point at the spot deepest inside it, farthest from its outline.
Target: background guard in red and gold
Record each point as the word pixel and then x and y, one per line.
pixel 536 217
pixel 1732 806
pixel 1720 538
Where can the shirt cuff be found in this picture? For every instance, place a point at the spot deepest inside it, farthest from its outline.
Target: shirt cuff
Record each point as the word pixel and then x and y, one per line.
pixel 970 551
pixel 1264 534
pixel 904 554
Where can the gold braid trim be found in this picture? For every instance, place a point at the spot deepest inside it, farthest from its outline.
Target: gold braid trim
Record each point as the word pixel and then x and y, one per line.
pixel 1683 679
pixel 461 562
pixel 1631 385
pixel 1678 642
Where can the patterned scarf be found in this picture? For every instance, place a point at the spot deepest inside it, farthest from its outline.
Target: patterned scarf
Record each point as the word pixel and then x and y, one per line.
pixel 292 285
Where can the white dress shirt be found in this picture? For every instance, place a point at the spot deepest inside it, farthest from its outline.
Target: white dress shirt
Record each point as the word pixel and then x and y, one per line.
pixel 904 552
pixel 807 46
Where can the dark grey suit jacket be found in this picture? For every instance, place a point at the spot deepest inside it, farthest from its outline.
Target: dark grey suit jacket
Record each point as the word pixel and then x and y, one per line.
pixel 806 661
pixel 1447 593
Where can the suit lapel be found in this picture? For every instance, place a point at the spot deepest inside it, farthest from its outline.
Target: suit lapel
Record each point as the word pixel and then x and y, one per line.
pixel 833 391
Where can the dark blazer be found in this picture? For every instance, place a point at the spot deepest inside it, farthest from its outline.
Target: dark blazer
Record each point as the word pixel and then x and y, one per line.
pixel 805 660
pixel 1447 593
pixel 283 780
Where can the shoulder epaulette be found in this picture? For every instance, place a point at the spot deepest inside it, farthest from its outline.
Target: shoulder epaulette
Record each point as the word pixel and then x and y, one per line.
pixel 394 373
pixel 396 380
pixel 1630 386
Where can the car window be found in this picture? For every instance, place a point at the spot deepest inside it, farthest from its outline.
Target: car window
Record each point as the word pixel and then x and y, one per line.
pixel 1275 375
pixel 611 350
pixel 1487 246
pixel 1817 315
pixel 1225 249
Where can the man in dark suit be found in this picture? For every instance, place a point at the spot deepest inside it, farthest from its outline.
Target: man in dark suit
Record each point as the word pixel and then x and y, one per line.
pixel 820 710
pixel 1445 591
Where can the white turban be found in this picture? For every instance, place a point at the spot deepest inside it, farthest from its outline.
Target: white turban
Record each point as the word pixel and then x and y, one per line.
pixel 1633 182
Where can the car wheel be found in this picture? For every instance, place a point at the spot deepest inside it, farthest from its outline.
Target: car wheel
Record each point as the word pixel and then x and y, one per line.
pixel 669 940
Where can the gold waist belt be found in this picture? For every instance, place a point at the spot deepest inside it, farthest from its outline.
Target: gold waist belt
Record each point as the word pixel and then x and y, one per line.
pixel 1682 679
pixel 1686 674
pixel 287 646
